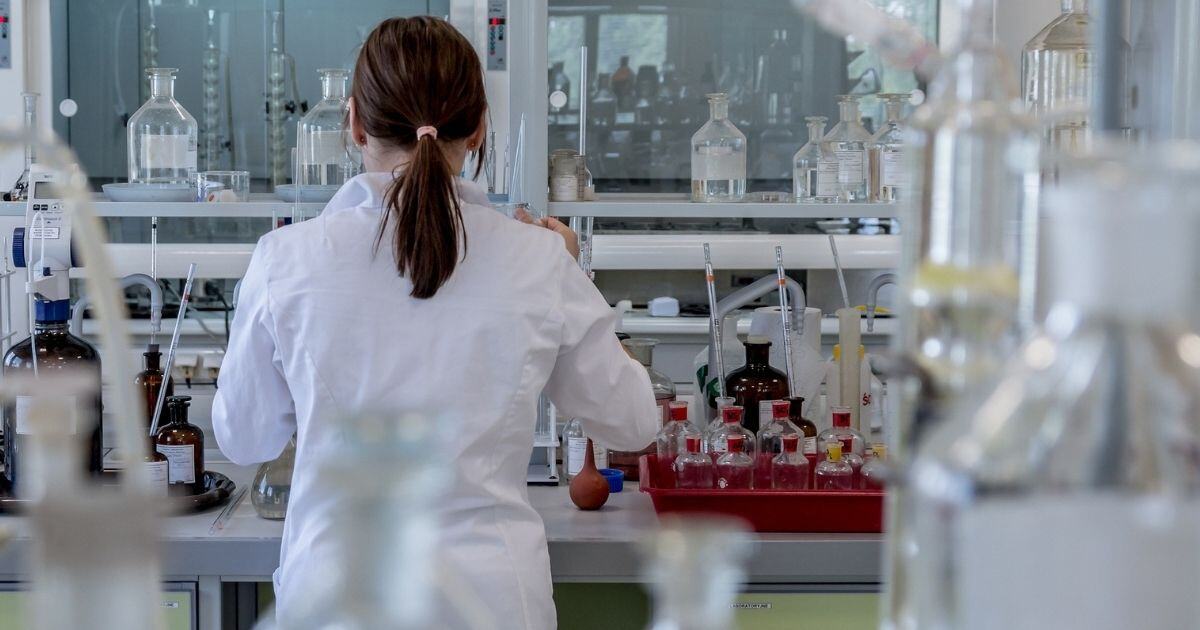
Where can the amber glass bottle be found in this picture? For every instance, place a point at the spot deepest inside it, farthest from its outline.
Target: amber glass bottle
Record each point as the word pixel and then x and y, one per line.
pixel 57 349
pixel 807 427
pixel 183 444
pixel 150 380
pixel 156 465
pixel 756 381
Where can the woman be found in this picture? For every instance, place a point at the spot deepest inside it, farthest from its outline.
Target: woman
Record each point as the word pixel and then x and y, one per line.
pixel 409 292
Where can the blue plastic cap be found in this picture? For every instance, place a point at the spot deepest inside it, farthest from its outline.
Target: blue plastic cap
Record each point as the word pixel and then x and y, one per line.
pixel 52 310
pixel 615 479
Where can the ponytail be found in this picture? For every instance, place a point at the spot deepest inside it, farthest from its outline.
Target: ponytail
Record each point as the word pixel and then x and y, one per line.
pixel 424 204
pixel 417 79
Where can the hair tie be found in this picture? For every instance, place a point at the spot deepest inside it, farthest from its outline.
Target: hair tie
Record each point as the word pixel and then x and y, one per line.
pixel 426 131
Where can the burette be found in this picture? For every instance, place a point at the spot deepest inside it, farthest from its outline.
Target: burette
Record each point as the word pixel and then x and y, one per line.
pixel 785 312
pixel 714 322
pixel 170 363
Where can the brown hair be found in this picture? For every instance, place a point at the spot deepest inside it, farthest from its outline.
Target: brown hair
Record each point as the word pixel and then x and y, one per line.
pixel 412 73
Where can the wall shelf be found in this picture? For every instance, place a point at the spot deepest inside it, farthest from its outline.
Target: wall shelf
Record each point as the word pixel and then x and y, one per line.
pixel 615 205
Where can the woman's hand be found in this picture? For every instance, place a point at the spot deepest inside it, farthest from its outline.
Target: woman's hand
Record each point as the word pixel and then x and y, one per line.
pixel 554 225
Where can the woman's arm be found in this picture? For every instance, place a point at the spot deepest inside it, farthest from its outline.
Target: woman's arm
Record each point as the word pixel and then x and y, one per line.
pixel 253 414
pixel 593 378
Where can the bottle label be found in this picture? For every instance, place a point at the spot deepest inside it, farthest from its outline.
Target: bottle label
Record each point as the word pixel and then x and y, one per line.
pixel 168 151
pixel 24 407
pixel 810 446
pixel 564 189
pixel 827 178
pixel 718 163
pixel 1025 563
pixel 576 451
pixel 892 169
pixel 159 477
pixel 850 167
pixel 181 462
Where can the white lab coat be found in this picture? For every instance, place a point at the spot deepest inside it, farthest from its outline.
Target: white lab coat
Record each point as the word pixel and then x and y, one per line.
pixel 325 326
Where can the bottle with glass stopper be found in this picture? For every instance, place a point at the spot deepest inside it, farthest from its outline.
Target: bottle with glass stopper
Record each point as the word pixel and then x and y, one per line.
pixel 671 440
pixel 718 421
pixel 731 424
pixel 848 141
pixel 162 135
pixel 833 473
pixel 1089 436
pixel 814 167
pixel 888 173
pixel 693 468
pixel 718 156
pixel 322 141
pixel 183 444
pixel 756 381
pixel 808 428
pixel 789 469
pixel 852 443
pixel 734 469
pixel 874 469
pixel 1058 73
pixel 151 379
pixel 770 437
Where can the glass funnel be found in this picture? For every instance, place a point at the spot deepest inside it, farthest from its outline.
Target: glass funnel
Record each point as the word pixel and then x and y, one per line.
pixel 718 156
pixel 695 567
pixel 848 141
pixel 814 168
pixel 162 135
pixel 1057 75
pixel 888 172
pixel 1077 476
pixel 322 141
pixel 273 484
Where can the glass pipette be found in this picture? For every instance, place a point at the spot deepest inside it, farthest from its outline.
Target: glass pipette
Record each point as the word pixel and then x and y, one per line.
pixel 170 363
pixel 714 321
pixel 785 311
pixel 837 263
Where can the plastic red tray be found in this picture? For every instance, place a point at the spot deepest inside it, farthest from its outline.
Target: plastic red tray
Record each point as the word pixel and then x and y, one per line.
pixel 771 510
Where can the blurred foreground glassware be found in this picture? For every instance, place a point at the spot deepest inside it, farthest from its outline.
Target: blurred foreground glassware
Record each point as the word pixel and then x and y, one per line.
pixel 324 155
pixel 718 156
pixel 272 484
pixel 695 567
pixel 162 135
pixel 1077 476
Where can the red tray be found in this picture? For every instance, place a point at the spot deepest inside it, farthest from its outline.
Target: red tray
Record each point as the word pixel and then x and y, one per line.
pixel 771 510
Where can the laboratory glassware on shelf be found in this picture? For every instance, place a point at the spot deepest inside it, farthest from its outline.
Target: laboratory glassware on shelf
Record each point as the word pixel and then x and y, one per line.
pixel 1088 439
pixel 57 351
pixel 183 444
pixel 214 67
pixel 734 469
pixel 756 381
pixel 788 469
pixel 642 350
pixel 770 437
pixel 695 566
pixel 832 472
pixel 20 188
pixel 324 153
pixel 814 167
pixel 150 380
pixel 281 75
pixel 162 136
pixel 888 169
pixel 671 440
pixel 1058 67
pixel 272 484
pixel 967 267
pixel 693 469
pixel 717 442
pixel 718 156
pixel 848 141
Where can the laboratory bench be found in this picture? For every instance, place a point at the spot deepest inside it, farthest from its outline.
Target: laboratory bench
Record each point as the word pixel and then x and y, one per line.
pixel 585 547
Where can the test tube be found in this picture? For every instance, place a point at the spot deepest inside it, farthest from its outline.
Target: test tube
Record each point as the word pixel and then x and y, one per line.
pixel 714 321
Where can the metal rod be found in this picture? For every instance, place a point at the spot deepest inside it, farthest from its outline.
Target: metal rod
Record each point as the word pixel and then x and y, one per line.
pixel 837 263
pixel 713 321
pixel 583 83
pixel 1108 34
pixel 785 312
pixel 170 363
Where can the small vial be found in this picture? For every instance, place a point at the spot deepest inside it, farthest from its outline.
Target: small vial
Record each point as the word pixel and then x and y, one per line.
pixel 789 469
pixel 871 475
pixel 693 469
pixel 735 469
pixel 833 473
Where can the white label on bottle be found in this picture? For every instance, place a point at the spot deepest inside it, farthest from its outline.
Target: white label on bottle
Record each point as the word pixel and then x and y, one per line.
pixel 181 462
pixel 576 451
pixel 564 189
pixel 892 167
pixel 827 178
pixel 718 163
pixel 810 445
pixel 24 405
pixel 168 151
pixel 1102 562
pixel 159 476
pixel 850 167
